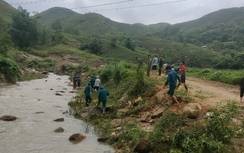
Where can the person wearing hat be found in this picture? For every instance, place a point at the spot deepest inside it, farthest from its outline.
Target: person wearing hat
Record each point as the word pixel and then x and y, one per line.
pixel 172 82
pixel 87 92
pixel 102 97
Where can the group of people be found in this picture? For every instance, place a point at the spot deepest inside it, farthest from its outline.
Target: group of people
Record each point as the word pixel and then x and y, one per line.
pixel 94 85
pixel 173 81
pixel 172 78
pixel 76 82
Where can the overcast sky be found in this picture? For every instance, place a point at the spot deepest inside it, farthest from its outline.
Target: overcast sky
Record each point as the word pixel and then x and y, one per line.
pixel 135 11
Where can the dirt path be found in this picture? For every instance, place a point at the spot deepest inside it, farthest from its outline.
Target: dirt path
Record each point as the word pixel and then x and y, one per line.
pixel 210 93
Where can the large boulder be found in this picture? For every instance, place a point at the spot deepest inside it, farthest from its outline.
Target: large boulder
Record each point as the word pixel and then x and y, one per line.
pixel 145 117
pixel 116 123
pixel 138 100
pixel 77 137
pixel 122 111
pixel 8 118
pixel 158 112
pixel 159 97
pixel 143 146
pixel 86 111
pixel 192 110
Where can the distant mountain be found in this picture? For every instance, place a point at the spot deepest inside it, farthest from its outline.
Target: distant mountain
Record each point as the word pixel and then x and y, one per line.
pixel 225 16
pixel 221 30
pixel 94 23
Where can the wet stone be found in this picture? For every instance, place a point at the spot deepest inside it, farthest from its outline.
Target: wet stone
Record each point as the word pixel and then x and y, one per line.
pixel 8 118
pixel 59 120
pixel 59 129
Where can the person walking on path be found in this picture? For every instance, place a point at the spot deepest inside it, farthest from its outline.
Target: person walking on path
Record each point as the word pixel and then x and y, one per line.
pixel 154 64
pixel 183 75
pixel 149 64
pixel 88 91
pixel 160 64
pixel 241 89
pixel 102 97
pixel 97 83
pixel 172 82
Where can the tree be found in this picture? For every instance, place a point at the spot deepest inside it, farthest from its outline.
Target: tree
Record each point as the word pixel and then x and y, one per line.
pixel 129 44
pixel 5 42
pixel 94 44
pixel 57 36
pixel 23 29
pixel 56 26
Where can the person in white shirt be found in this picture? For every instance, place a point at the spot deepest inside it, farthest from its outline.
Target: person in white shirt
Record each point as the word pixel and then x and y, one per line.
pixel 97 83
pixel 154 64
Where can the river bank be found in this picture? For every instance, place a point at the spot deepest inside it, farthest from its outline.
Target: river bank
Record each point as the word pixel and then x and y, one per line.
pixel 33 132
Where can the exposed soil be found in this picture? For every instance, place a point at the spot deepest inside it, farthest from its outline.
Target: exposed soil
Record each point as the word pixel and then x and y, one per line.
pixel 212 92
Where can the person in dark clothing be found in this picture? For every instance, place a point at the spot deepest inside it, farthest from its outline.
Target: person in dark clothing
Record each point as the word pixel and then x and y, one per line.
pixel 74 82
pixel 102 97
pixel 78 81
pixel 160 64
pixel 241 89
pixel 172 82
pixel 87 92
pixel 139 63
pixel 149 65
pixel 92 81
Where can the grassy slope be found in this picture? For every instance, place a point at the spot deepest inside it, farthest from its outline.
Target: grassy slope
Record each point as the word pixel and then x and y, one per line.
pixel 6 11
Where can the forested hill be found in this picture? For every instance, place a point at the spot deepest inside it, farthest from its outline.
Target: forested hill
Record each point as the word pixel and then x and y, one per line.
pixel 221 30
pixel 225 16
pixel 95 23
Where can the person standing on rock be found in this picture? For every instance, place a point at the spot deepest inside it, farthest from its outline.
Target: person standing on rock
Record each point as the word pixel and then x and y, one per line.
pixel 149 64
pixel 97 83
pixel 88 91
pixel 241 89
pixel 160 64
pixel 102 97
pixel 172 82
pixel 183 75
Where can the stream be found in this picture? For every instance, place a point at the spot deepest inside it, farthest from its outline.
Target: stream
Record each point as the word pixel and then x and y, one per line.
pixel 33 133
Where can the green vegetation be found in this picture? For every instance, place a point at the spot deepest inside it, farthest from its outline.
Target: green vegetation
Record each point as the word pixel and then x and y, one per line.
pixel 23 30
pixel 66 42
pixel 9 69
pixel 172 132
pixel 232 77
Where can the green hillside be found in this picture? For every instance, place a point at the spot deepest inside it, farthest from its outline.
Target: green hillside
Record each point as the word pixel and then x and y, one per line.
pixel 6 11
pixel 95 23
pixel 220 30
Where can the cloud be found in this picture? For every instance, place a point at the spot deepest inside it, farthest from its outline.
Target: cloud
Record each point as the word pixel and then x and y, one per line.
pixel 137 11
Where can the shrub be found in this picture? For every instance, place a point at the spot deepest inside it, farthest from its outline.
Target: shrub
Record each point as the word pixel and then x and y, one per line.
pixel 9 69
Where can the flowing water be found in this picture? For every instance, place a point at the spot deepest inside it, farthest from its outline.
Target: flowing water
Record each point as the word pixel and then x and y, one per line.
pixel 33 133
